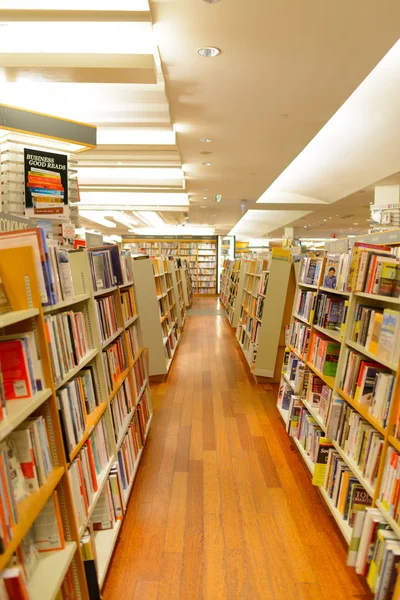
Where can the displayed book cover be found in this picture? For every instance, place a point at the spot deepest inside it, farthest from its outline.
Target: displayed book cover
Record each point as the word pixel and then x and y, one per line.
pixel 46 183
pixel 359 500
pixel 388 346
pixel 388 277
pixel 321 463
pixel 375 333
pixel 331 271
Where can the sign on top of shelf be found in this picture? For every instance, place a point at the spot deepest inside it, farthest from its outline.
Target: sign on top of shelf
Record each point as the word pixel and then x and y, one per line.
pixel 93 239
pixel 384 237
pixel 46 183
pixel 281 254
pixel 337 246
pixel 13 223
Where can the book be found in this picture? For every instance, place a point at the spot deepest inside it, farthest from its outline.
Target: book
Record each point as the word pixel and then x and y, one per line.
pixel 388 342
pixel 48 528
pixel 375 333
pixel 5 305
pixel 321 462
pixel 332 266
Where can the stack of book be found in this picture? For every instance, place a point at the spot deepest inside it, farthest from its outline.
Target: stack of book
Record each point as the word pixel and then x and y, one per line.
pixel 85 471
pixel 106 311
pixel 105 267
pixel 324 355
pixel 375 552
pixel 68 341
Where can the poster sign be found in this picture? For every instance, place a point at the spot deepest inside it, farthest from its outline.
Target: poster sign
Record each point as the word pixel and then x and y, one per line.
pixel 46 183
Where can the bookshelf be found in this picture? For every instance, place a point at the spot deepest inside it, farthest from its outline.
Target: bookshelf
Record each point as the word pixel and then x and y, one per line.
pixel 200 254
pixel 178 295
pixel 363 415
pixel 265 307
pixel 187 284
pixel 232 285
pixel 18 273
pixel 158 313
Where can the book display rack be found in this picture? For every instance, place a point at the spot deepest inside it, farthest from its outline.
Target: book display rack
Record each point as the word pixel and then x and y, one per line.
pixel 232 283
pixel 265 306
pixel 201 256
pixel 339 395
pixel 155 296
pixel 73 424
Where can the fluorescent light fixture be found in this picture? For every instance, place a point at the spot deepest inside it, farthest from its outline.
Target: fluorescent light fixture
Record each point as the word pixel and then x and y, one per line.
pixel 96 217
pixel 206 140
pixel 174 230
pixel 128 175
pixel 152 218
pixel 209 51
pixel 368 134
pixel 121 38
pixel 136 136
pixel 152 199
pixel 134 5
pixel 112 238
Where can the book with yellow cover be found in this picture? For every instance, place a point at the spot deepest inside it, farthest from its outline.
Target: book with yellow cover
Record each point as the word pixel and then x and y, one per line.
pixel 5 305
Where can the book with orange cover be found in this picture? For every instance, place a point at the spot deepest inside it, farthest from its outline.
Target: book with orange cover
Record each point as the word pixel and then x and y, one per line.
pixel 92 465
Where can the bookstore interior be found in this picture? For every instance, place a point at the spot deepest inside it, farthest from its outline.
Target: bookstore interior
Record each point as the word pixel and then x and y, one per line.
pixel 199 301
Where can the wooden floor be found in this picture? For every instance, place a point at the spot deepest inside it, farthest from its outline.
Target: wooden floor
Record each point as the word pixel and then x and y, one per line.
pixel 223 506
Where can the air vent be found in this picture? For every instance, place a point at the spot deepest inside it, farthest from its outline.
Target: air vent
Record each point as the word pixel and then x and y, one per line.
pixel 347 216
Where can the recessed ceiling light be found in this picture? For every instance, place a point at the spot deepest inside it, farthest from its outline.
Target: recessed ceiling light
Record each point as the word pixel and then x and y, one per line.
pixel 355 223
pixel 203 206
pixel 211 1
pixel 205 198
pixel 206 140
pixel 324 220
pixel 209 52
pixel 206 164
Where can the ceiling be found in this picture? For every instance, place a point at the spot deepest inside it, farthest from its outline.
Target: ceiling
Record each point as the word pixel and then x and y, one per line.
pixel 282 73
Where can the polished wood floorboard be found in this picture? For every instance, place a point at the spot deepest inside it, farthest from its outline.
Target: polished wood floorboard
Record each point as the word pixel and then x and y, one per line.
pixel 222 506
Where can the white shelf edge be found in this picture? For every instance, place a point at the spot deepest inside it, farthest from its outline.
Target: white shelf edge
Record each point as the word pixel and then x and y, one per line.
pixel 284 414
pixel 375 357
pixel 389 299
pixel 65 303
pixel 50 572
pixel 309 463
pixel 130 321
pixel 335 335
pixel 86 359
pixel 16 316
pixel 343 525
pixel 105 541
pixel 105 291
pixel 19 410
pixel 331 291
pixel 114 336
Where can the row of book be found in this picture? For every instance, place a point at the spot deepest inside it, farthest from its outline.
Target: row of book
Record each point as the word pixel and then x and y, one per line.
pixel 85 471
pixel 375 552
pixel 330 313
pixel 105 267
pixel 304 304
pixel 115 360
pixel 76 401
pixel 299 337
pixel 374 270
pixel 68 341
pixel 324 355
pixel 310 270
pixel 377 330
pixel 107 316
pixel 122 405
pixel 128 304
pixel 133 339
pixel 25 464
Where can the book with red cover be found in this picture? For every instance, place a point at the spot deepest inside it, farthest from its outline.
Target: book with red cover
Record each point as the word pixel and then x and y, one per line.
pixel 15 370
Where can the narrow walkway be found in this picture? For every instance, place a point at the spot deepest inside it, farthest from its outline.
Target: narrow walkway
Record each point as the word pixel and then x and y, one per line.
pixel 223 506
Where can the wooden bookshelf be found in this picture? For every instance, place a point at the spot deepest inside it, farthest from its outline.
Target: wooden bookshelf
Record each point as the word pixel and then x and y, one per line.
pixel 344 338
pixel 263 348
pixel 232 285
pixel 17 269
pixel 158 312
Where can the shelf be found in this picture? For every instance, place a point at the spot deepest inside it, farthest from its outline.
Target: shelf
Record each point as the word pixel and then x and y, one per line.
pixel 284 413
pixel 92 420
pixel 335 335
pixel 365 352
pixel 286 378
pixel 300 318
pixel 125 427
pixel 141 392
pixel 330 381
pixel 28 510
pixel 126 285
pixel 109 340
pixel 363 410
pixel 105 542
pixel 121 380
pixel 50 572
pixel 308 285
pixel 309 463
pixel 65 303
pixel 137 356
pixel 16 316
pixel 389 299
pixel 102 479
pixel 296 352
pixel 89 356
pixel 314 413
pixel 105 291
pixel 343 525
pixel 393 524
pixel 330 291
pixel 19 410
pixel 129 322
